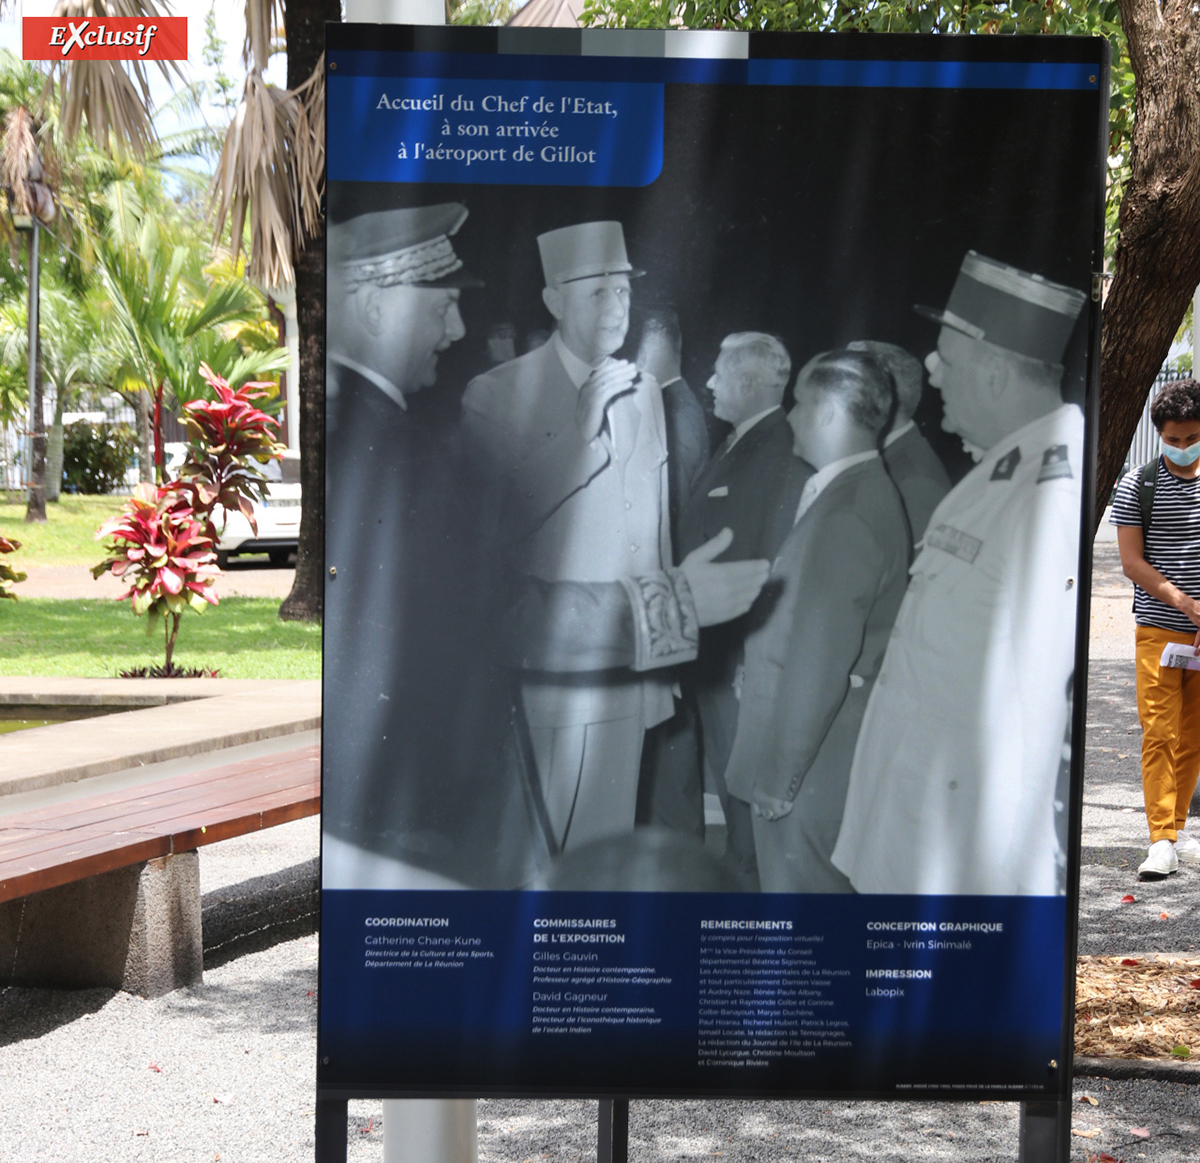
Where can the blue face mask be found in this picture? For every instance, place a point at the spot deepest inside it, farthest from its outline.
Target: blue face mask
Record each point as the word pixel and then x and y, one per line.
pixel 1182 456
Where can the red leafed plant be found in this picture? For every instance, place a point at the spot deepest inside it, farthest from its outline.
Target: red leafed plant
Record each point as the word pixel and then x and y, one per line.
pixel 229 438
pixel 8 575
pixel 161 547
pixel 164 541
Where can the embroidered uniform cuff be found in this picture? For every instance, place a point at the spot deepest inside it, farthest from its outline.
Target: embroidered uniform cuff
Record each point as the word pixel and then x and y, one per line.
pixel 665 628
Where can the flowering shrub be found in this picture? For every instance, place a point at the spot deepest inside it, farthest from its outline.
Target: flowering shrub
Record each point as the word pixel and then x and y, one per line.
pixel 8 575
pixel 161 547
pixel 164 540
pixel 228 438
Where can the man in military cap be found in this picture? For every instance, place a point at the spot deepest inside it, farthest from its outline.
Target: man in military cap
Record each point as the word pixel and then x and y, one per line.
pixel 394 286
pixel 952 789
pixel 572 445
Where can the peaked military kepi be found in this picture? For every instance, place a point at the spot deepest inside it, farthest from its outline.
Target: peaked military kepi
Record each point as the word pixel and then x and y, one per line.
pixel 407 246
pixel 1010 308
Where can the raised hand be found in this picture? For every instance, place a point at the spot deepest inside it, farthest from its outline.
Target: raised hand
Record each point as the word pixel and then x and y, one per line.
pixel 612 379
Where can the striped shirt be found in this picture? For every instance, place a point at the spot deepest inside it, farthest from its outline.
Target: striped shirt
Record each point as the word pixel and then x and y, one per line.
pixel 1172 546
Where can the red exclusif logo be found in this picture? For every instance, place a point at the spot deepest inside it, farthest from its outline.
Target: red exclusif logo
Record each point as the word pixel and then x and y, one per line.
pixel 112 38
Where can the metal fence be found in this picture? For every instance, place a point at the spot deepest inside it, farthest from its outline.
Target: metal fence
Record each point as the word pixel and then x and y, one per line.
pixel 1145 439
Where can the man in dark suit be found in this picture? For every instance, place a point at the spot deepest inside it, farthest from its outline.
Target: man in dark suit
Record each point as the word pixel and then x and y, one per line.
pixel 811 662
pixel 660 354
pixel 911 463
pixel 390 658
pixel 751 486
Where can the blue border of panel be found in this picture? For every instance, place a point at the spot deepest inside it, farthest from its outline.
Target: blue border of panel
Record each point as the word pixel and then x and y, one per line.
pixel 800 73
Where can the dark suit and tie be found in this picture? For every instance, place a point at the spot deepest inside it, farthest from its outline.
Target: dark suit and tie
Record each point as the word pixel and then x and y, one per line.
pixel 751 486
pixel 919 475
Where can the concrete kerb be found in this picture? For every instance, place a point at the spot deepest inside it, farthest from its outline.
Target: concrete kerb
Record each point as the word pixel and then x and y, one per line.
pixel 160 719
pixel 1127 1069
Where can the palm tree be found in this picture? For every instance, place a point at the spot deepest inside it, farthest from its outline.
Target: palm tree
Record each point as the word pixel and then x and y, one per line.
pixel 167 312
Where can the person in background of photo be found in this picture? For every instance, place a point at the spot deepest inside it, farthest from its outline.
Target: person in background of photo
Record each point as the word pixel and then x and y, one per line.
pixel 570 446
pixel 660 355
pixel 953 785
pixel 751 486
pixel 670 791
pixel 911 463
pixel 811 663
pixel 1162 559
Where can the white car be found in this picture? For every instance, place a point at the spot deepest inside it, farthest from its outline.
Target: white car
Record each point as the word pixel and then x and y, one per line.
pixel 278 518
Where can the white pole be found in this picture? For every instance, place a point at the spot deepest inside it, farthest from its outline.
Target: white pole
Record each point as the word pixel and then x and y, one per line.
pixel 429 1130
pixel 1196 333
pixel 420 1130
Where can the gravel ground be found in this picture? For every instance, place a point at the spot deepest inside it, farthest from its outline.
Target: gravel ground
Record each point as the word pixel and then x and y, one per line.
pixel 234 1056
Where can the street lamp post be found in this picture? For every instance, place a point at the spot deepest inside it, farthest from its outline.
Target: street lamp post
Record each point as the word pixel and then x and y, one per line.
pixel 36 437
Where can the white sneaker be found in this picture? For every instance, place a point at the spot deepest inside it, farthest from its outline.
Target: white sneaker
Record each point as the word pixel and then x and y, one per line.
pixel 1187 848
pixel 1160 861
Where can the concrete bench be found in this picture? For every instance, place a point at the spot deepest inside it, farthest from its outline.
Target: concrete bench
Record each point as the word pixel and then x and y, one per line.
pixel 104 889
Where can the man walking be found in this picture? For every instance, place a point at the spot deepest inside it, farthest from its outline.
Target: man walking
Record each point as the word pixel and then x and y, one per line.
pixel 1157 515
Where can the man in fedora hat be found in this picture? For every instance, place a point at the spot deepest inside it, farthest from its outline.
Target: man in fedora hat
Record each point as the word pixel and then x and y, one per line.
pixel 572 446
pixel 953 785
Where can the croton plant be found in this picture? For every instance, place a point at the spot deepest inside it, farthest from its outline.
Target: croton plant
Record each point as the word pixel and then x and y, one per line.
pixel 164 540
pixel 8 575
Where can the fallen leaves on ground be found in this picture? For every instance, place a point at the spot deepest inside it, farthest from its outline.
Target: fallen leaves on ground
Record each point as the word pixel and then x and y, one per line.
pixel 1140 1132
pixel 1129 1008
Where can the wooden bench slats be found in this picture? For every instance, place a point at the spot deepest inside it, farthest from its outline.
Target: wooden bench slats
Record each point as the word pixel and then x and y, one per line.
pixel 229 796
pixel 290 770
pixel 54 845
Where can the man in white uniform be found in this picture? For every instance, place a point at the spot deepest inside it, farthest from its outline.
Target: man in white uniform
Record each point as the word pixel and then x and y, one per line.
pixel 952 789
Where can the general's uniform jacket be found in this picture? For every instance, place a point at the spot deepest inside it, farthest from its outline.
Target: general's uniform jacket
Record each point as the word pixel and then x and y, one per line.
pixel 953 784
pixel 592 516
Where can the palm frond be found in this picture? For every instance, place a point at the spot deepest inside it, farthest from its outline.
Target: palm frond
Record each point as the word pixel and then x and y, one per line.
pixel 114 103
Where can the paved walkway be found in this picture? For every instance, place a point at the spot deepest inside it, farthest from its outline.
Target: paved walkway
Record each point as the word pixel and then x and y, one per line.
pixel 224 1071
pixel 250 578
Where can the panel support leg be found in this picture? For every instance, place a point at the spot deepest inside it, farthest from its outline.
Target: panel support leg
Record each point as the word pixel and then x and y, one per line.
pixel 430 1130
pixel 612 1143
pixel 331 1130
pixel 1045 1132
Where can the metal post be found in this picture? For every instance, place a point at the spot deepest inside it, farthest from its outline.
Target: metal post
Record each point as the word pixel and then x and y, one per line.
pixel 1045 1132
pixel 1195 333
pixel 612 1142
pixel 429 1130
pixel 331 1130
pixel 31 351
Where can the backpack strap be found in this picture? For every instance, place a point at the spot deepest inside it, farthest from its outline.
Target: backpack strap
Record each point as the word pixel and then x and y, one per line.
pixel 1148 483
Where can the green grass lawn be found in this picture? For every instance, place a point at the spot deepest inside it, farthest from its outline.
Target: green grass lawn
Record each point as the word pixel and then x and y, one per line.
pixel 241 638
pixel 67 537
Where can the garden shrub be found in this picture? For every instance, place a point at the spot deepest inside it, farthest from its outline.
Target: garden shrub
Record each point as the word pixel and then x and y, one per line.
pixel 97 457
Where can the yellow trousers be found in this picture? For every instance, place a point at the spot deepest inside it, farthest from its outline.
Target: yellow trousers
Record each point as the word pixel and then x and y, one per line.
pixel 1168 702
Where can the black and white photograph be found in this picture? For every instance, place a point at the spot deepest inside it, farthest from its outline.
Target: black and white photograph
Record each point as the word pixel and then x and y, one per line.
pixel 720 534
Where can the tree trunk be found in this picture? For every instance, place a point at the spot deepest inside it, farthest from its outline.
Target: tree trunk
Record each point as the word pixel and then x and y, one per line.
pixel 36 509
pixel 304 24
pixel 54 448
pixel 1156 268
